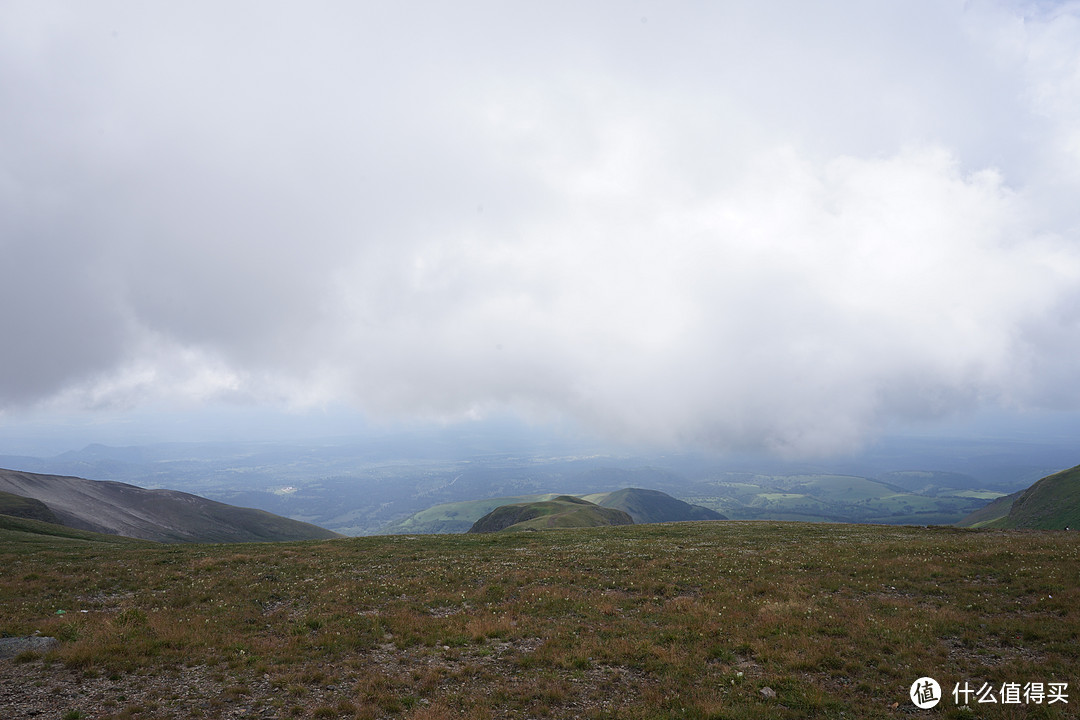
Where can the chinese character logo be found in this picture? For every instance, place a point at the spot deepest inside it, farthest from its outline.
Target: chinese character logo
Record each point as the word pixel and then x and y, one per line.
pixel 925 693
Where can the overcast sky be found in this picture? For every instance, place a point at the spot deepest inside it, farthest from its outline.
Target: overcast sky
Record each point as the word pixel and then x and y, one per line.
pixel 779 225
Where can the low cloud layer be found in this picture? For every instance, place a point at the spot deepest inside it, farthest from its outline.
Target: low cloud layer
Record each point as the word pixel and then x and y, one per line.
pixel 782 227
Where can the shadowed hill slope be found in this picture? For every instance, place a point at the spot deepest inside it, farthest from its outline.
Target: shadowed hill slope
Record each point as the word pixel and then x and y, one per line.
pixel 161 515
pixel 24 507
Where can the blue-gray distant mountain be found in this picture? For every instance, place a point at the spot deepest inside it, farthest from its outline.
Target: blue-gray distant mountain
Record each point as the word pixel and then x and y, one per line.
pixel 652 506
pixel 115 508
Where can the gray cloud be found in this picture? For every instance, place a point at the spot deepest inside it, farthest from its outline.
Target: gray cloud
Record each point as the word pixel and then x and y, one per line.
pixel 781 226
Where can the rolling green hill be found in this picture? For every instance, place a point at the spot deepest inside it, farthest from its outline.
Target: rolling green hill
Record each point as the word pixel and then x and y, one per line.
pixel 652 506
pixel 564 511
pixel 1052 503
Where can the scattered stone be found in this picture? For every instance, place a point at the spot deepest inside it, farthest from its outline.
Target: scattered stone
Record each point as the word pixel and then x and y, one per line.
pixel 10 647
pixel 768 692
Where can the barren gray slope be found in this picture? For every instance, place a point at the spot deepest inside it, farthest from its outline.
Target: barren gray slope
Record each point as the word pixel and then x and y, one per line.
pixel 161 515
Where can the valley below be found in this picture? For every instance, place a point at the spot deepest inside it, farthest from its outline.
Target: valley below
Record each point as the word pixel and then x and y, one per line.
pixel 395 485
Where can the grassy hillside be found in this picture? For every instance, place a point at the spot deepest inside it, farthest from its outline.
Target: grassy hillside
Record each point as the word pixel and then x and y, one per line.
pixel 563 511
pixel 1051 503
pixel 652 506
pixel 690 620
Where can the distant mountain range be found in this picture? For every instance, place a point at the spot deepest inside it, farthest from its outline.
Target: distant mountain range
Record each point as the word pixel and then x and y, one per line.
pixel 1052 503
pixel 368 486
pixel 115 508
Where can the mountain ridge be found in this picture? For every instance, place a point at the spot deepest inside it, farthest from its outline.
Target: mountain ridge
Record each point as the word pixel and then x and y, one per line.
pixel 115 508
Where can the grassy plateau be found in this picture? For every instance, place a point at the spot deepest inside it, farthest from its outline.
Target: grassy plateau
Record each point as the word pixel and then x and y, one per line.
pixel 685 620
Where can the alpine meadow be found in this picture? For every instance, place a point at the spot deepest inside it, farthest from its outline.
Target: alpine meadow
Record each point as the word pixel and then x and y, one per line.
pixel 688 620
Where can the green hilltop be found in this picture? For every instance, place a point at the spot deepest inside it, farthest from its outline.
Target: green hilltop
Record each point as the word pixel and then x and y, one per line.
pixel 564 511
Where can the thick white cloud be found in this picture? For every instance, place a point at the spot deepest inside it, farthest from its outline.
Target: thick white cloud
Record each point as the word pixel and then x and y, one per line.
pixel 780 225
